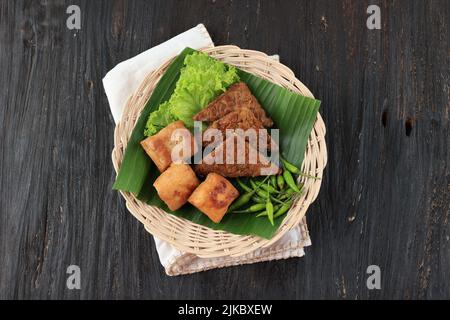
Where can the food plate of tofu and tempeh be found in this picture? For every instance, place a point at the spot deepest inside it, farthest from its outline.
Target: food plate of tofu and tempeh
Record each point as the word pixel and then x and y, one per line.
pixel 220 151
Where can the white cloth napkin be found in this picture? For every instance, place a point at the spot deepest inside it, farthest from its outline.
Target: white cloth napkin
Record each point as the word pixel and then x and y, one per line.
pixel 119 84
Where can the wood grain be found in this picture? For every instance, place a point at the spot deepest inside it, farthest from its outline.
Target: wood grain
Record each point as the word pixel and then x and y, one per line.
pixel 385 194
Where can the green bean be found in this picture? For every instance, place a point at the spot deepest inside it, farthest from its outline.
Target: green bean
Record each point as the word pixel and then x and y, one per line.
pixel 290 167
pixel 257 188
pixel 277 200
pixel 280 182
pixel 264 213
pixel 269 209
pixel 254 208
pixel 241 201
pixel 285 197
pixel 273 180
pixel 253 184
pixel 243 185
pixel 262 194
pixel 282 209
pixel 290 181
pixel 245 198
pixel 269 188
pixel 264 186
pixel 258 199
pixel 308 176
pixel 287 194
pixel 258 184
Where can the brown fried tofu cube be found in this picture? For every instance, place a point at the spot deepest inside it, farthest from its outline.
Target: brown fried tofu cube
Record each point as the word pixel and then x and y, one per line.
pixel 176 184
pixel 161 146
pixel 214 196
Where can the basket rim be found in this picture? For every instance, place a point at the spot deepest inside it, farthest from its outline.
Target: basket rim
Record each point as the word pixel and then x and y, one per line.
pixel 248 243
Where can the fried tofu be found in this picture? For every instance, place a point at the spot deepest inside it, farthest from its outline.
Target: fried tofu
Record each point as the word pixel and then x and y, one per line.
pixel 214 196
pixel 240 159
pixel 176 184
pixel 236 97
pixel 161 146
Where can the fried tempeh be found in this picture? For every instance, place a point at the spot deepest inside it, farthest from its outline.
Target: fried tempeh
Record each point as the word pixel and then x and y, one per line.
pixel 240 119
pixel 236 97
pixel 238 160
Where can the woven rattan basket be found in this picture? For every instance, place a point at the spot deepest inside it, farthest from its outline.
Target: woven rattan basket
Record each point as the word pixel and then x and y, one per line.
pixel 199 240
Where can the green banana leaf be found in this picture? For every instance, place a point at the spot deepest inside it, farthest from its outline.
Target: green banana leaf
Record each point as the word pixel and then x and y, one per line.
pixel 292 113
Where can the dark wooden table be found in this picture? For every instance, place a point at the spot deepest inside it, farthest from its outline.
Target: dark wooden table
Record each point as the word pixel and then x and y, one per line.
pixel 385 195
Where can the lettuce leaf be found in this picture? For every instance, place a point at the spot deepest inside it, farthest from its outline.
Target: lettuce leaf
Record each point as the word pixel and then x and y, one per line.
pixel 201 80
pixel 159 119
